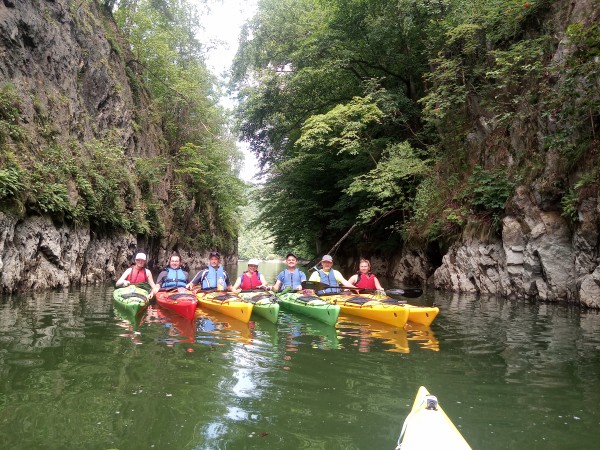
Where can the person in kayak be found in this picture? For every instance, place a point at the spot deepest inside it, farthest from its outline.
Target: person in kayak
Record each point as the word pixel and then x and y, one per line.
pixel 172 277
pixel 137 274
pixel 291 277
pixel 364 279
pixel 251 279
pixel 329 276
pixel 214 277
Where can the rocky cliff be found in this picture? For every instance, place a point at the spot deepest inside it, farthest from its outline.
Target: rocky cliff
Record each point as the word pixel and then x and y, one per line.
pixel 547 245
pixel 68 95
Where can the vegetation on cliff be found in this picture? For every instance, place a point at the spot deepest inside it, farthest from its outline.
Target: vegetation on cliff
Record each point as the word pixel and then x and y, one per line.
pixel 163 165
pixel 414 120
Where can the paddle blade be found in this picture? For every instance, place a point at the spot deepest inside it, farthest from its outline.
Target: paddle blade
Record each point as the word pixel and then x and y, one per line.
pixel 409 292
pixel 314 285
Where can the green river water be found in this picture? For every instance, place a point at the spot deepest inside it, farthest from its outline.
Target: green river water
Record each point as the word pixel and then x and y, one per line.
pixel 74 375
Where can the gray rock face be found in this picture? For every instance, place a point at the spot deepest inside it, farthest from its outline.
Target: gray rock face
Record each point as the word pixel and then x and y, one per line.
pixel 69 67
pixel 35 253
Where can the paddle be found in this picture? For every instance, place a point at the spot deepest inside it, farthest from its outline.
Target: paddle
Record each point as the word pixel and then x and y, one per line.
pixel 410 293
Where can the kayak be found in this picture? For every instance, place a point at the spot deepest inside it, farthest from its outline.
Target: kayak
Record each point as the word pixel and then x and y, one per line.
pixel 265 304
pixel 226 303
pixel 130 301
pixel 427 426
pixel 179 300
pixel 310 305
pixel 370 308
pixel 423 315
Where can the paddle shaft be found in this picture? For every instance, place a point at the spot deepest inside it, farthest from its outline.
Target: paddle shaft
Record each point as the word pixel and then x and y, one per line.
pixel 410 293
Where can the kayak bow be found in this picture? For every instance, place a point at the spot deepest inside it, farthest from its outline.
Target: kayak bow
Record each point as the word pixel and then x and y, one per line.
pixel 427 426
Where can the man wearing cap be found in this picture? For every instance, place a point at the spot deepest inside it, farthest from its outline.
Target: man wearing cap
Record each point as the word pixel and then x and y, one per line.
pixel 291 277
pixel 329 276
pixel 251 279
pixel 214 277
pixel 137 273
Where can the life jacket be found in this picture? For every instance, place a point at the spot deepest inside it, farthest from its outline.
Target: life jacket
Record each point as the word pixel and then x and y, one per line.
pixel 249 283
pixel 139 277
pixel 210 277
pixel 174 278
pixel 291 274
pixel 365 281
pixel 328 278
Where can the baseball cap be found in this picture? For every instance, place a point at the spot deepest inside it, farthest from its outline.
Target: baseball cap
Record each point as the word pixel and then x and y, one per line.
pixel 141 256
pixel 253 262
pixel 327 258
pixel 290 254
pixel 217 254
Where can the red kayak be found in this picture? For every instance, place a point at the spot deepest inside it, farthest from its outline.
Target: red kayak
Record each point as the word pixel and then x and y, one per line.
pixel 179 300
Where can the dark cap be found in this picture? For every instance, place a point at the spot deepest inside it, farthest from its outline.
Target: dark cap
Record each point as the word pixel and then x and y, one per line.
pixel 211 254
pixel 290 254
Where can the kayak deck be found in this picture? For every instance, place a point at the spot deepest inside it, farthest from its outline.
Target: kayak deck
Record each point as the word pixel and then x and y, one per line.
pixel 130 300
pixel 226 303
pixel 369 308
pixel 311 306
pixel 265 304
pixel 179 300
pixel 427 426
pixel 423 315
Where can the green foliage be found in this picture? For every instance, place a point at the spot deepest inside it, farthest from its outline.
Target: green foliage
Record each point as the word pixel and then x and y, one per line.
pixel 327 90
pixel 427 199
pixel 10 112
pixel 571 201
pixel 205 194
pixel 11 183
pixel 254 241
pixel 390 186
pixel 487 191
pixel 518 79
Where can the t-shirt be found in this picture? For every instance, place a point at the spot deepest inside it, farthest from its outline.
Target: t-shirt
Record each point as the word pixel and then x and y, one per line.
pixel 291 279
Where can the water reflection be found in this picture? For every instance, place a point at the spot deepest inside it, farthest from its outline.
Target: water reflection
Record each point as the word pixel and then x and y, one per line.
pixel 526 372
pixel 368 335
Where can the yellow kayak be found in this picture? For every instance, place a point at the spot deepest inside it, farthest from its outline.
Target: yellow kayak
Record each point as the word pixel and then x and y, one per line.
pixel 226 303
pixel 427 426
pixel 369 308
pixel 423 315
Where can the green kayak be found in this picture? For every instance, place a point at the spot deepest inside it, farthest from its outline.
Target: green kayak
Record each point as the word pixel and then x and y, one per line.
pixel 265 304
pixel 311 306
pixel 130 301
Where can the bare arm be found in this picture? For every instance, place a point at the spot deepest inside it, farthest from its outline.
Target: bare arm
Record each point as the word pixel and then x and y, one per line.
pixel 263 282
pixel 122 281
pixel 236 286
pixel 340 278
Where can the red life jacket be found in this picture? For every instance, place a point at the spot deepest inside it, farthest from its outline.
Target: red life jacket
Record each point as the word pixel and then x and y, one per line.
pixel 249 283
pixel 138 277
pixel 365 281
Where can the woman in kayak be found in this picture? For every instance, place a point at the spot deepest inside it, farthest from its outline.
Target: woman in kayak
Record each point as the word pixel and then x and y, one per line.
pixel 251 279
pixel 172 277
pixel 364 279
pixel 329 276
pixel 291 277
pixel 137 273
